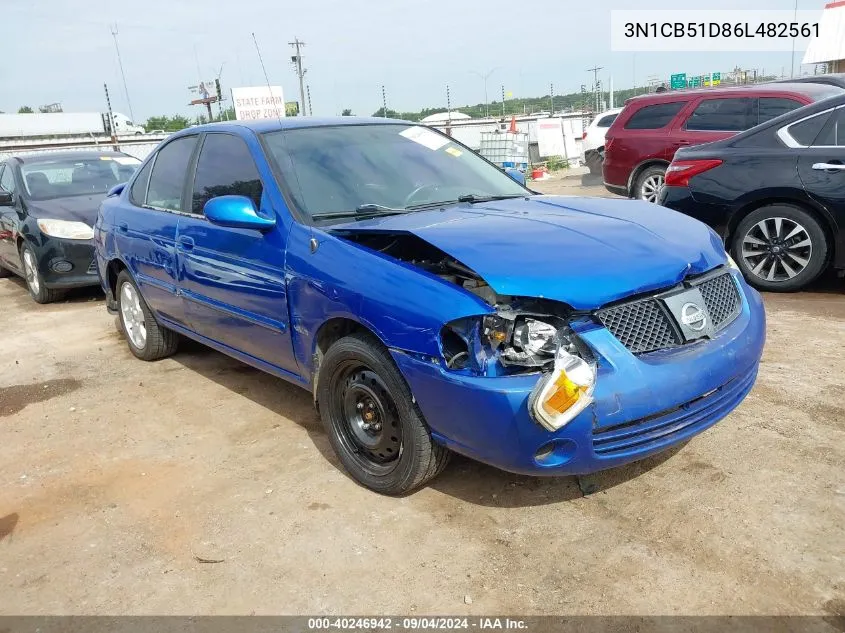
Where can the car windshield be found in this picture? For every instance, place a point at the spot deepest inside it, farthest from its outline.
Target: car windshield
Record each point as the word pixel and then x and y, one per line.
pixel 46 179
pixel 334 170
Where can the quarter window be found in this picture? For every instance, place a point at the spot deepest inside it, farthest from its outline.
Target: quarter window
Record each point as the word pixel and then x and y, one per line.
pixel 833 133
pixel 771 107
pixel 168 175
pixel 225 168
pixel 805 132
pixel 138 192
pixel 722 115
pixel 654 117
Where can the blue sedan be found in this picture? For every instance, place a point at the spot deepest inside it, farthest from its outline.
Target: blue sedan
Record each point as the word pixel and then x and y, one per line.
pixel 428 300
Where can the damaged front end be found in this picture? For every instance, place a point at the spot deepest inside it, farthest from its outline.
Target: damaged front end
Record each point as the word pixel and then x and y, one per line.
pixel 521 335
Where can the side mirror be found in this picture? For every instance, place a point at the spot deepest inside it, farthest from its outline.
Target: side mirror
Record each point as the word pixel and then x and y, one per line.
pixel 516 175
pixel 116 190
pixel 237 212
pixel 6 199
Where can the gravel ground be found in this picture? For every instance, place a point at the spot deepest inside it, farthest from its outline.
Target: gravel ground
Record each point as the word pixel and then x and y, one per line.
pixel 199 485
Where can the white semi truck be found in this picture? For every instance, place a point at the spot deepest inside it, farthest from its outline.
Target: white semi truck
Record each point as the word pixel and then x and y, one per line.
pixel 65 125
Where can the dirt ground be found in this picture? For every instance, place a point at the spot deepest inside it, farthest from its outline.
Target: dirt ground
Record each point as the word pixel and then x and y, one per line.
pixel 199 485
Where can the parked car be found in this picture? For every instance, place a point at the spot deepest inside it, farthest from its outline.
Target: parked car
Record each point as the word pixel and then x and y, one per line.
pixel 48 204
pixel 592 141
pixel 776 193
pixel 644 138
pixel 428 301
pixel 829 79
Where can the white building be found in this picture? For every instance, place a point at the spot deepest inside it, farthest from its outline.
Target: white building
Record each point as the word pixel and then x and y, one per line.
pixel 829 47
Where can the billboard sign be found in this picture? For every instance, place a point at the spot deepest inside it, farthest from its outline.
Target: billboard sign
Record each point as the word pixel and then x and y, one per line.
pixel 258 102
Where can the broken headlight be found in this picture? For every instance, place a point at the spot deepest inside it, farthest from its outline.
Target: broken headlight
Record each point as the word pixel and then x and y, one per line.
pixel 565 392
pixel 525 340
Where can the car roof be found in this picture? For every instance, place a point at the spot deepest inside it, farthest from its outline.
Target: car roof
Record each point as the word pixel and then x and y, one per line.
pixel 814 91
pixel 37 157
pixel 261 126
pixel 830 79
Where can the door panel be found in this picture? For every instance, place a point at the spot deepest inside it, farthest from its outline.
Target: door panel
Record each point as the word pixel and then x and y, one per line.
pixel 233 280
pixel 145 232
pixel 9 222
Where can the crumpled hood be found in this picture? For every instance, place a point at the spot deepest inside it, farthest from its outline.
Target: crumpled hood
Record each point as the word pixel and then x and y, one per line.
pixel 71 208
pixel 585 252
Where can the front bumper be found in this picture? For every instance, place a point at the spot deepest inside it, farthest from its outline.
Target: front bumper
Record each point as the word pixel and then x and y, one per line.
pixel 66 263
pixel 642 404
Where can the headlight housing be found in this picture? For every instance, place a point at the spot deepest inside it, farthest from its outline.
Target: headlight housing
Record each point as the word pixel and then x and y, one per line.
pixel 565 392
pixel 66 229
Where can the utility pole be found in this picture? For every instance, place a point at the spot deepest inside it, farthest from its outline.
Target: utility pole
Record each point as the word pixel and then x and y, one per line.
pixel 383 102
pixel 115 146
pixel 552 98
pixel 113 29
pixel 503 101
pixel 485 77
pixel 448 103
pixel 596 84
pixel 795 19
pixel 300 73
pixel 310 109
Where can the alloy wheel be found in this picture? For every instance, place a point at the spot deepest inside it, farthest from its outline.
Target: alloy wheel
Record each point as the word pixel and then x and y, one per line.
pixel 31 271
pixel 777 249
pixel 651 188
pixel 133 316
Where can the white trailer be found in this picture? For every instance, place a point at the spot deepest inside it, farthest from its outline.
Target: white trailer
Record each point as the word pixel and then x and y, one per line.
pixel 64 124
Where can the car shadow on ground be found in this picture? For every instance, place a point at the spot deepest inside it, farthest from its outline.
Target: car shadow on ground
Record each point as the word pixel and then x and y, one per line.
pixel 22 299
pixel 464 479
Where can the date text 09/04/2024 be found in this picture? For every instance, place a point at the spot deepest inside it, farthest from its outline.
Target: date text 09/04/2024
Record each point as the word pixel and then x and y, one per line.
pixel 421 623
pixel 720 29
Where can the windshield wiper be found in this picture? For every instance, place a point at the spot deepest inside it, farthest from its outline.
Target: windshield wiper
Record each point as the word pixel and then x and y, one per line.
pixel 361 212
pixel 472 198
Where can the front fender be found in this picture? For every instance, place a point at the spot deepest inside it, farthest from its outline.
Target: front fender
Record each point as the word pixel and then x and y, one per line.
pixel 402 305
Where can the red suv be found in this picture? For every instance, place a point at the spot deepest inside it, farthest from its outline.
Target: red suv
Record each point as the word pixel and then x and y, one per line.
pixel 645 136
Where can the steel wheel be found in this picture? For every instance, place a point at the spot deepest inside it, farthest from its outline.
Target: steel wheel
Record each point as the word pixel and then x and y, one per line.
pixel 650 188
pixel 132 315
pixel 369 425
pixel 31 271
pixel 777 249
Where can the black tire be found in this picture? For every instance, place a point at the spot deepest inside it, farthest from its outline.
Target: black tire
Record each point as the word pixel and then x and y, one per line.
pixel 158 342
pixel 34 281
pixel 357 373
pixel 647 180
pixel 594 159
pixel 780 266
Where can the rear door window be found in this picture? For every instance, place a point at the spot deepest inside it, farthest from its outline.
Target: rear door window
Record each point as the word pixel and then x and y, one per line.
pixel 722 115
pixel 138 192
pixel 654 117
pixel 771 107
pixel 167 180
pixel 7 179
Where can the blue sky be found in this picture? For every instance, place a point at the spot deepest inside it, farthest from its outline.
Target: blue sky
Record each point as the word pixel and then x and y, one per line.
pixel 63 54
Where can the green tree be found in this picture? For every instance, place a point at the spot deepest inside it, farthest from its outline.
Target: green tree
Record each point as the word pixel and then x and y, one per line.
pixel 346 112
pixel 25 110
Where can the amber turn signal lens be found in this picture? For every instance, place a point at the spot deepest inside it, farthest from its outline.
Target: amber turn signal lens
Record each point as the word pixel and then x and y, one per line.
pixel 564 394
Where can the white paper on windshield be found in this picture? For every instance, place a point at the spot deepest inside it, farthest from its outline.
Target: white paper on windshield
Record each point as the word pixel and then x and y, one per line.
pixel 126 160
pixel 425 137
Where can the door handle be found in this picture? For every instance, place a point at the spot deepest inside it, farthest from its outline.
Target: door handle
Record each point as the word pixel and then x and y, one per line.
pixel 829 166
pixel 123 227
pixel 185 242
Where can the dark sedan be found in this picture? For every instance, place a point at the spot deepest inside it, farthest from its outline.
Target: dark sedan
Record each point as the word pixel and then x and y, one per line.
pixel 775 193
pixel 48 204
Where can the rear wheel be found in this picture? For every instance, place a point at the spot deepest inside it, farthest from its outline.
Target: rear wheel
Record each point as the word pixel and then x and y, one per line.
pixel 146 338
pixel 373 424
pixel 34 282
pixel 649 183
pixel 780 248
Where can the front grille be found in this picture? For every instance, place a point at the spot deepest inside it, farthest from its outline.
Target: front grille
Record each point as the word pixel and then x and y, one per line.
pixel 722 299
pixel 641 326
pixel 646 325
pixel 664 427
